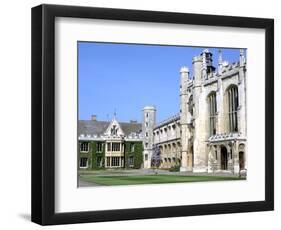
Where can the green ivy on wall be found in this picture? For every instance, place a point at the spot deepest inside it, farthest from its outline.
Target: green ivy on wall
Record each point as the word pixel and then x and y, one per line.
pixel 93 155
pixel 136 154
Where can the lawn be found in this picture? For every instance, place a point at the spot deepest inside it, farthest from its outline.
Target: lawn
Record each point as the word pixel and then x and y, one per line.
pixel 151 179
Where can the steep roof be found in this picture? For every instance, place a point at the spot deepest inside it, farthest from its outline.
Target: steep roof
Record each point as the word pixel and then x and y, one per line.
pixel 89 127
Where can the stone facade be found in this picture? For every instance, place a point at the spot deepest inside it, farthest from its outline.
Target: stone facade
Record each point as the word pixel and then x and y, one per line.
pixel 109 144
pixel 209 134
pixel 148 123
pixel 167 137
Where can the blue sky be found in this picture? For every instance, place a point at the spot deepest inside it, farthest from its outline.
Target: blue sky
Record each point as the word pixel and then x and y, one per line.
pixel 126 77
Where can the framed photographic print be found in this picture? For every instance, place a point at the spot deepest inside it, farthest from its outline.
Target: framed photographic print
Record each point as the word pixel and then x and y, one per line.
pixel 142 114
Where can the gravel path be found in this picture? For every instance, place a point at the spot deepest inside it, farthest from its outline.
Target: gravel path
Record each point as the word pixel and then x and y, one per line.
pixel 87 184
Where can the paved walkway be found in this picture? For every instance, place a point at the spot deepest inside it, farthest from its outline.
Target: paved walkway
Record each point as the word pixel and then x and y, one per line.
pixel 87 184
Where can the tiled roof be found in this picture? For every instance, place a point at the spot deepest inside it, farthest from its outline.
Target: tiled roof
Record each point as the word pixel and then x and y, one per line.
pixel 173 118
pixel 89 127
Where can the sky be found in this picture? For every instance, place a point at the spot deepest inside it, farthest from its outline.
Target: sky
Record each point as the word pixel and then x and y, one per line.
pixel 123 78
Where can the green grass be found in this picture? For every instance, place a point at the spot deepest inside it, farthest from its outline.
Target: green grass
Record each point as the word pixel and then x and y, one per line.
pixel 150 179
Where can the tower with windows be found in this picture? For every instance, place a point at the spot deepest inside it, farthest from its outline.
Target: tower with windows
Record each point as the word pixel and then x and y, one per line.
pixel 186 113
pixel 148 123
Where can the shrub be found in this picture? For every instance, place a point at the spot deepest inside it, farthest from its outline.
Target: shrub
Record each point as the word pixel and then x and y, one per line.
pixel 175 168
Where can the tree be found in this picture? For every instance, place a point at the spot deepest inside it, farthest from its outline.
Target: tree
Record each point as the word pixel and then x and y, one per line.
pixel 156 158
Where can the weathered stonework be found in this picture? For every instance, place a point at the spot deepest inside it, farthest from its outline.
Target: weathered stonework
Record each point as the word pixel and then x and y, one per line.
pixel 197 139
pixel 148 123
pixel 207 135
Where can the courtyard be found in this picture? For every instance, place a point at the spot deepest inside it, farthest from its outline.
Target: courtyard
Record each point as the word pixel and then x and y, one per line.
pixel 148 176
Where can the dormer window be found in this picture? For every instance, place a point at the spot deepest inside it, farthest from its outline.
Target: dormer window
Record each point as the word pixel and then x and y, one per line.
pixel 114 130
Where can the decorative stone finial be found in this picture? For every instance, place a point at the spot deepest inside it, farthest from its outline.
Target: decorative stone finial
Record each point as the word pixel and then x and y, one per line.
pixel 184 69
pixel 206 51
pixel 220 57
pixel 242 58
pixel 225 63
pixel 220 61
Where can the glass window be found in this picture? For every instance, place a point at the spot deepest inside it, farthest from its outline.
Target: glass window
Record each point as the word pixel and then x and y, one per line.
pixel 132 147
pixel 115 147
pixel 99 147
pixel 99 161
pixel 190 105
pixel 108 146
pixel 84 147
pixel 212 113
pixel 233 108
pixel 108 161
pixel 114 130
pixel 115 161
pixel 83 162
pixel 131 160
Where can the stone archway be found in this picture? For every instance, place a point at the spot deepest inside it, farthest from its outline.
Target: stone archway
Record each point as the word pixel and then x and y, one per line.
pixel 223 158
pixel 241 149
pixel 241 161
pixel 192 156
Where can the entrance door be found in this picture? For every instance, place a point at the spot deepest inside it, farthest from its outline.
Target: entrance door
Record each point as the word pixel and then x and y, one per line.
pixel 241 161
pixel 192 152
pixel 223 158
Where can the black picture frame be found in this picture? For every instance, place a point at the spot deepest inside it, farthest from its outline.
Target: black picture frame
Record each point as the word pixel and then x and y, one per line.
pixel 43 114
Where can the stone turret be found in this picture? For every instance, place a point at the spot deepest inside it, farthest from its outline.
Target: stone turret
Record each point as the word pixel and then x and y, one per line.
pixel 207 63
pixel 148 123
pixel 220 62
pixel 242 59
pixel 202 67
pixel 197 68
pixel 184 96
pixel 242 95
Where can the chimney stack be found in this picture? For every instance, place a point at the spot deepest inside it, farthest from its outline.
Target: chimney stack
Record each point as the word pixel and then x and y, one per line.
pixel 94 117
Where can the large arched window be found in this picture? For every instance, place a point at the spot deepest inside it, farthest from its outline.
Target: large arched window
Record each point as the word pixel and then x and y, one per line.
pixel 212 113
pixel 233 103
pixel 190 105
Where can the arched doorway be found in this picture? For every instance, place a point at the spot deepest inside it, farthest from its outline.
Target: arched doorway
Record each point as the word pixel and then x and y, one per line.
pixel 223 158
pixel 241 150
pixel 241 161
pixel 192 156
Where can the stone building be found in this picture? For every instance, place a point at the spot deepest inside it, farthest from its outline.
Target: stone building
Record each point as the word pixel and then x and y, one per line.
pixel 209 133
pixel 148 123
pixel 114 144
pixel 167 137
